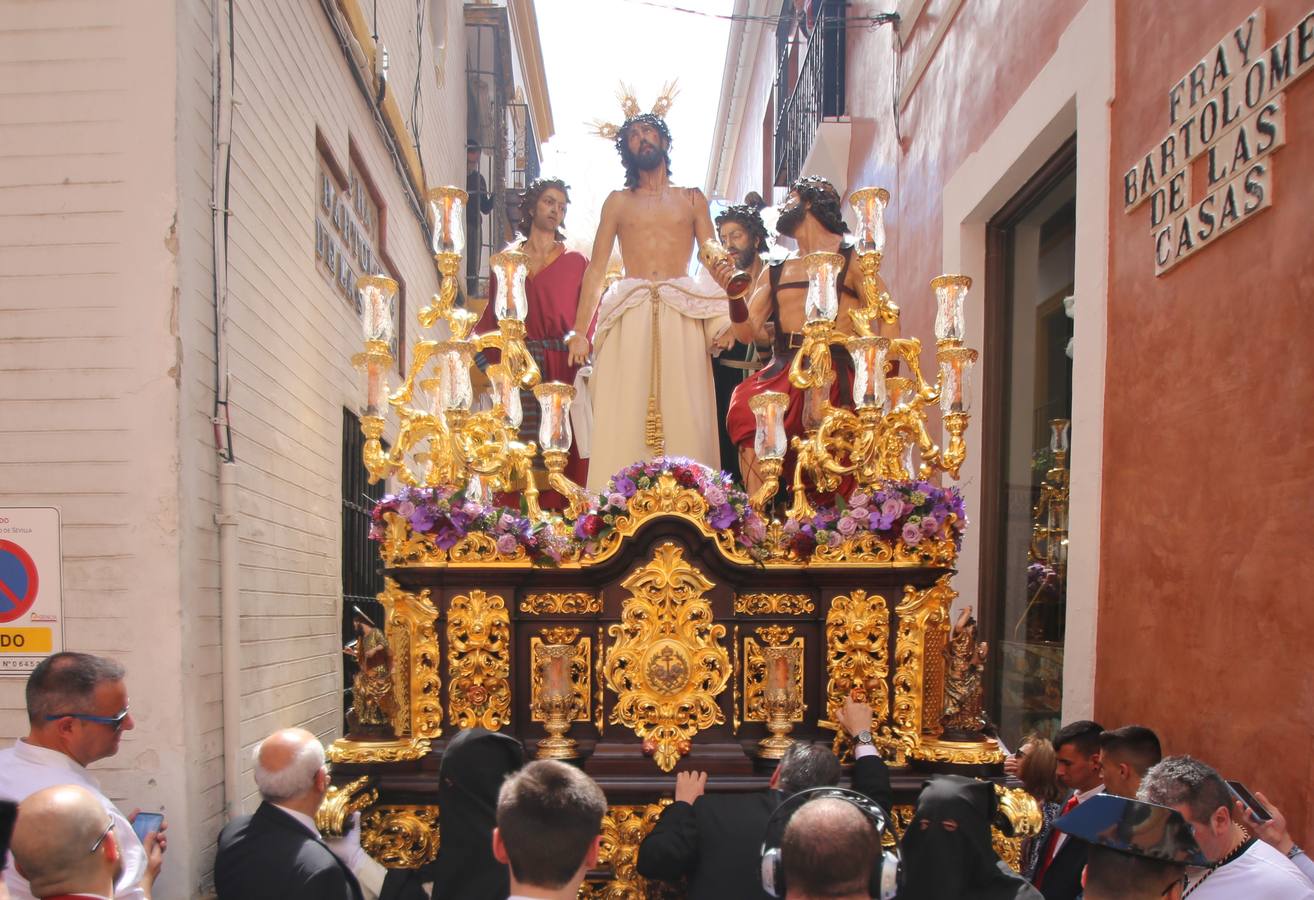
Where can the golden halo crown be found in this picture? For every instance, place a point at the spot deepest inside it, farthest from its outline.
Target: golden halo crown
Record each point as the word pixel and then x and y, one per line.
pixel 629 105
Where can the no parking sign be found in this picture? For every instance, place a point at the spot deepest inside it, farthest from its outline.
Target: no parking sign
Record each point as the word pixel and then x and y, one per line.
pixel 31 605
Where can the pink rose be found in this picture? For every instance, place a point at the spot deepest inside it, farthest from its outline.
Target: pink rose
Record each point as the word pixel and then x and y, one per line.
pixel 859 514
pixel 846 525
pixel 912 535
pixel 617 500
pixel 506 544
pixel 892 508
pixel 834 539
pixel 859 499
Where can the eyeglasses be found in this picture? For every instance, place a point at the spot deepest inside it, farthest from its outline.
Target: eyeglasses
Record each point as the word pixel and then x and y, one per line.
pixel 104 834
pixel 115 722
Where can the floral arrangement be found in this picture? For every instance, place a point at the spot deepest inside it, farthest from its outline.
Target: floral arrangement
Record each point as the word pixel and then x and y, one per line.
pixel 907 511
pixel 727 504
pixel 448 515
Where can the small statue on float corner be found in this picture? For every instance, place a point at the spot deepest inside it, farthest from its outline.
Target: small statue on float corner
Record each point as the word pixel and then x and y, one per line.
pixel 373 703
pixel 964 717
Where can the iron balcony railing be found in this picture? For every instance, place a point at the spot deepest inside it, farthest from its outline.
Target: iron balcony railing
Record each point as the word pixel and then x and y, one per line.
pixel 817 95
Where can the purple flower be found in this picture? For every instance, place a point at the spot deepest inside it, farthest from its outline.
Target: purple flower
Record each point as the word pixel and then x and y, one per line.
pixel 507 544
pixel 405 509
pixel 625 487
pixel 506 521
pixel 422 518
pixel 754 527
pixel 723 517
pixel 881 522
pixel 846 525
pixel 912 535
pixel 715 496
pixel 791 527
pixel 447 537
pixel 930 525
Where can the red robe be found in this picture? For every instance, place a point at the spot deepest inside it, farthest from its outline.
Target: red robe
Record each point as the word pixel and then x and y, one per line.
pixel 553 299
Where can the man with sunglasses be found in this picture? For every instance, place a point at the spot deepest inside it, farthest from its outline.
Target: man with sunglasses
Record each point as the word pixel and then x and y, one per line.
pixel 77 710
pixel 64 844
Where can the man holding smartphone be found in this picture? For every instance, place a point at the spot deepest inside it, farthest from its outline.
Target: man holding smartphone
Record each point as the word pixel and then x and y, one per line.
pixel 1239 864
pixel 77 710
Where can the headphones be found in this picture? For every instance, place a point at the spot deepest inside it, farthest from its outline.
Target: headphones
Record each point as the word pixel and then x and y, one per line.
pixel 884 882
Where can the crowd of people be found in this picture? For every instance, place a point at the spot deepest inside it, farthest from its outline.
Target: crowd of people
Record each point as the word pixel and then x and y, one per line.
pixel 1120 821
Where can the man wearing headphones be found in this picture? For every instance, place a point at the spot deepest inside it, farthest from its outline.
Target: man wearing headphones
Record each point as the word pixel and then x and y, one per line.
pixel 828 851
pixel 715 840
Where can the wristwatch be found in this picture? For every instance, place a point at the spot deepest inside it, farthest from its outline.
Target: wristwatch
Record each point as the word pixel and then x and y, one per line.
pixel 863 737
pixel 1294 851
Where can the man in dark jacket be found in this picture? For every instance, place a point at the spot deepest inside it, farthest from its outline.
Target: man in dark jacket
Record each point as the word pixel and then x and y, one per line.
pixel 715 840
pixel 276 853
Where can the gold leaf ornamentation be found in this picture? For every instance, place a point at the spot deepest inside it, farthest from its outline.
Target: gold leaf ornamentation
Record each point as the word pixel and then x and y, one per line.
pixel 417 683
pixel 344 751
pixel 623 830
pixel 666 663
pixel 401 837
pixel 919 613
pixel 567 603
pixel 332 817
pixel 857 656
pixel 870 550
pixel 478 661
pixel 774 604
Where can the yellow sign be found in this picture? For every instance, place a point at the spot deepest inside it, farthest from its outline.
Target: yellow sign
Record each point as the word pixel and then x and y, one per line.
pixel 25 640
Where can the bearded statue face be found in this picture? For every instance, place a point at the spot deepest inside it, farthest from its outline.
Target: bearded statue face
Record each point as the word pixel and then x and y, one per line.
pixel 791 216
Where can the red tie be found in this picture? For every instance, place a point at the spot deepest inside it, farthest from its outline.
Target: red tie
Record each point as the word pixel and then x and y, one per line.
pixel 1051 846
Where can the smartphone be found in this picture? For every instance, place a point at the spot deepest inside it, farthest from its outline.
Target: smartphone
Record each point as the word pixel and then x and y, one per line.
pixel 1240 792
pixel 145 823
pixel 8 813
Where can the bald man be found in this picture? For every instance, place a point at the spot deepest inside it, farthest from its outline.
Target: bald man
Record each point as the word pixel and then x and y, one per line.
pixel 55 829
pixel 828 850
pixel 276 853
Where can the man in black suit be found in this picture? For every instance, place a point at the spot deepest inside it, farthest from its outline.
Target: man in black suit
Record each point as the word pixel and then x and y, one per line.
pixel 715 840
pixel 1077 749
pixel 277 853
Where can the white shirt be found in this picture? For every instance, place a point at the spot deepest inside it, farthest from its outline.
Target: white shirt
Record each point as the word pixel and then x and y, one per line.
pixel 1261 873
pixel 26 769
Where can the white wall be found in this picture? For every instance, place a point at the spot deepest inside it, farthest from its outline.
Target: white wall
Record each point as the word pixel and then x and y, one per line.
pixel 107 333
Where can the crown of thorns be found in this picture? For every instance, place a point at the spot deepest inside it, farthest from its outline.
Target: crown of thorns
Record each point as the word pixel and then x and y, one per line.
pixel 656 117
pixel 750 217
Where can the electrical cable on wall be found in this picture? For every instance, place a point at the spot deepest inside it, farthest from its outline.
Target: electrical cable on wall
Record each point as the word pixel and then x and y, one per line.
pixel 221 211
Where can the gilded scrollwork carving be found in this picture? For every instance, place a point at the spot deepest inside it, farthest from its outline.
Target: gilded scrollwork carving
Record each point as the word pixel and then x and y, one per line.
pixel 869 549
pixel 340 803
pixel 919 613
pixel 623 830
pixel 564 603
pixel 417 683
pixel 344 751
pixel 401 837
pixel 666 663
pixel 857 655
pixel 768 604
pixel 478 661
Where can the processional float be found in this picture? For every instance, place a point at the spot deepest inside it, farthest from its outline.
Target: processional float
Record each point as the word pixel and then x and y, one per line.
pixel 671 620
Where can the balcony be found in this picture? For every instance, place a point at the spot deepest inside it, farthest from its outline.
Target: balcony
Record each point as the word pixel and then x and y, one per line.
pixel 809 93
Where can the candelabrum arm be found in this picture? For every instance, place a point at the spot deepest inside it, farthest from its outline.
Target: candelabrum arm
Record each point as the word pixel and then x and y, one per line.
pixel 910 351
pixel 441 304
pixel 770 470
pixel 422 352
pixel 812 364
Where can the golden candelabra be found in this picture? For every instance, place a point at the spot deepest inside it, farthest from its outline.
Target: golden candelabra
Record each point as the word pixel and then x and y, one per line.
pixel 1049 529
pixel 442 440
pixel 885 436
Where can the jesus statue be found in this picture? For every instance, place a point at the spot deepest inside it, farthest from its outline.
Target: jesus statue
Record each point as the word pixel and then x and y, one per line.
pixel 652 387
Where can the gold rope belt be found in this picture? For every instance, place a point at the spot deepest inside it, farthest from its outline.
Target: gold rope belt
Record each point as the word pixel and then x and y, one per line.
pixel 653 434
